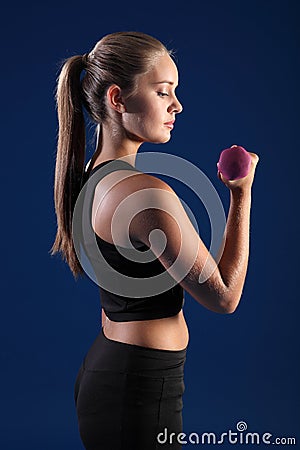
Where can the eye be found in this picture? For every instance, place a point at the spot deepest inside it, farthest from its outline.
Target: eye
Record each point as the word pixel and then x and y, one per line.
pixel 162 94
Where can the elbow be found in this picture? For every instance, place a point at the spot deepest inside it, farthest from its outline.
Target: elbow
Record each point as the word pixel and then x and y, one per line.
pixel 228 306
pixel 222 306
pixel 229 309
pixel 222 300
pixel 229 299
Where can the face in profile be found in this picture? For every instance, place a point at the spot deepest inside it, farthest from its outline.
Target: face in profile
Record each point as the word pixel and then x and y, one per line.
pixel 151 111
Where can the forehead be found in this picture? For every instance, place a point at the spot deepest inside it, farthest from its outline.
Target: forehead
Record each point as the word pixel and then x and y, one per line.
pixel 164 70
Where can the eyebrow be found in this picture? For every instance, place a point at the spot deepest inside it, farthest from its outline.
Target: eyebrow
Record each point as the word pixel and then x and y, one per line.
pixel 164 82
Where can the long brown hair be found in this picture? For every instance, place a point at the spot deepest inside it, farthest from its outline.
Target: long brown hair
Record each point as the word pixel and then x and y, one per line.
pixel 118 58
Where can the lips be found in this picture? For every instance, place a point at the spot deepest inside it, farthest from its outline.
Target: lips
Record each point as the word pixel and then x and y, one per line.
pixel 170 124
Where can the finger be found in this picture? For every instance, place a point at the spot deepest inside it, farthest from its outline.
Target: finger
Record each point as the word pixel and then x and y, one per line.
pixel 255 158
pixel 254 155
pixel 219 175
pixel 222 178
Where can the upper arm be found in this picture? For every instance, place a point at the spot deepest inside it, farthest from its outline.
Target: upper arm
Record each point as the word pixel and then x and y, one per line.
pixel 164 226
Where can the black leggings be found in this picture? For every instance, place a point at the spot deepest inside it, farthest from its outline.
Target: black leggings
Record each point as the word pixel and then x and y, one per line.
pixel 126 394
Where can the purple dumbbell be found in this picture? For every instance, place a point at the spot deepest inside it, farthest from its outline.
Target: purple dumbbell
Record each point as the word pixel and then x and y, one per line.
pixel 234 163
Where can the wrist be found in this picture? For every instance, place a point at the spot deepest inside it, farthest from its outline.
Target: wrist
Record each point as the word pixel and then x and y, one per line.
pixel 240 193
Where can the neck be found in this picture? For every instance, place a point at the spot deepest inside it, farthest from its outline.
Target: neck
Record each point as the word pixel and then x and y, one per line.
pixel 114 144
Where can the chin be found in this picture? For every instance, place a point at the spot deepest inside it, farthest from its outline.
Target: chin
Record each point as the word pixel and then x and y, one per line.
pixel 161 139
pixel 166 139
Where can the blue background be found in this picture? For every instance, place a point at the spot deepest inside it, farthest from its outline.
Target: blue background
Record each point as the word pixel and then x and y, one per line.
pixel 239 84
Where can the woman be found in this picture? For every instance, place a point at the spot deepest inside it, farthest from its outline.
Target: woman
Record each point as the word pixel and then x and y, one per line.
pixel 129 387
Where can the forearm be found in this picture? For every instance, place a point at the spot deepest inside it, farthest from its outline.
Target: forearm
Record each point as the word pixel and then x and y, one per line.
pixel 234 261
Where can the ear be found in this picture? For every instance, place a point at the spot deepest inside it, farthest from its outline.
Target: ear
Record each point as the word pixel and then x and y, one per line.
pixel 114 97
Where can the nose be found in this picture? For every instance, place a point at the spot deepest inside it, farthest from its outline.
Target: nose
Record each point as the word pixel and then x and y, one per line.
pixel 176 107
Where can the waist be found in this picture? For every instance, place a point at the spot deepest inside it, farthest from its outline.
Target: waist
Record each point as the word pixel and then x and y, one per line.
pixel 169 333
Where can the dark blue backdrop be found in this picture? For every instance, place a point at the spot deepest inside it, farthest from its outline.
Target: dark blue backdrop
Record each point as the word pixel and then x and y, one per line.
pixel 239 84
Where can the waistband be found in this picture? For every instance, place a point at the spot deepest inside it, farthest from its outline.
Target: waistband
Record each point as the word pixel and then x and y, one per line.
pixel 107 354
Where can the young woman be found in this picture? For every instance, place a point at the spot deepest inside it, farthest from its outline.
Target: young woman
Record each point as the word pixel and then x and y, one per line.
pixel 129 387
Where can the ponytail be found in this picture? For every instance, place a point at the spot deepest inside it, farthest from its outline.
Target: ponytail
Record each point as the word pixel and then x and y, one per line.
pixel 70 158
pixel 118 58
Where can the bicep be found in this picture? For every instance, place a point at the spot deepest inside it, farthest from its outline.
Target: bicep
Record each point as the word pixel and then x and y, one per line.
pixel 164 226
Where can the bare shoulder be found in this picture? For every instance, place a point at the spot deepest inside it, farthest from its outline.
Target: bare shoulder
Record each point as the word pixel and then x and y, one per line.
pixel 143 181
pixel 124 183
pixel 127 191
pixel 150 194
pixel 155 206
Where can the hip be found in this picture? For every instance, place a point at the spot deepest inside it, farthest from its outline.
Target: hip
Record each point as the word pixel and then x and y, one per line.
pixel 120 357
pixel 126 394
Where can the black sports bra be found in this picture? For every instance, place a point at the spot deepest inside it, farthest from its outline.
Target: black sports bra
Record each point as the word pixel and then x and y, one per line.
pixel 121 308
